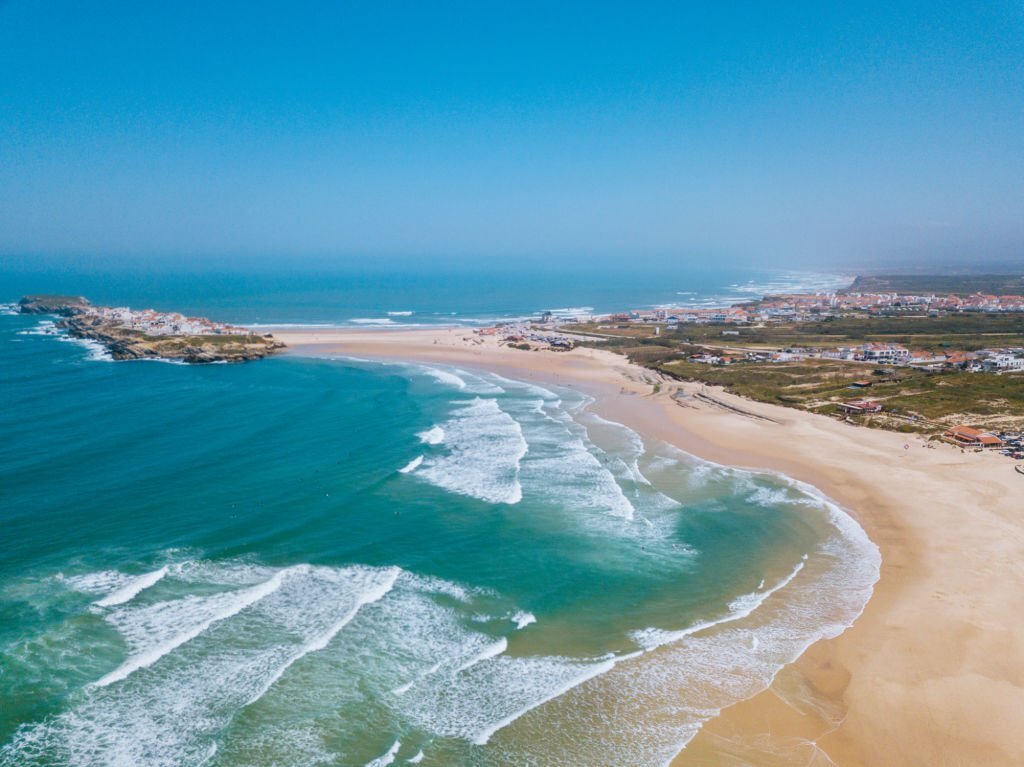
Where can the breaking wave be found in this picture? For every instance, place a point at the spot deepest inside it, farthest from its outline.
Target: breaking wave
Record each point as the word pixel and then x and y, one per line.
pixel 484 447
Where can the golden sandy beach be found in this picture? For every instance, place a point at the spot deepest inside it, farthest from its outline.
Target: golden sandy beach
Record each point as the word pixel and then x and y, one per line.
pixel 932 673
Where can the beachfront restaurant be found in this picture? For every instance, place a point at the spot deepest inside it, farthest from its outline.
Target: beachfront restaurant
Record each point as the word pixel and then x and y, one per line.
pixel 966 436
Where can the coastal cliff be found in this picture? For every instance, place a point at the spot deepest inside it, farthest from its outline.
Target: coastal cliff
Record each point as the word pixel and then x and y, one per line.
pixel 132 335
pixel 63 306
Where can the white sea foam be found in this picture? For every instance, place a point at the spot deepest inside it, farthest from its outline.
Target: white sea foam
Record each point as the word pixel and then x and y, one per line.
pixel 696 673
pixel 416 759
pixel 232 606
pixel 547 396
pixel 569 312
pixel 522 619
pixel 483 736
pixel 388 757
pixel 412 465
pixel 485 446
pixel 791 282
pixel 490 651
pixel 432 436
pixel 43 328
pixel 102 582
pixel 480 383
pixel 563 468
pixel 372 321
pixel 740 607
pixel 133 588
pixel 286 325
pixel 176 712
pixel 95 351
pixel 445 377
pixel 353 358
pixel 9 309
pixel 400 314
pixel 374 593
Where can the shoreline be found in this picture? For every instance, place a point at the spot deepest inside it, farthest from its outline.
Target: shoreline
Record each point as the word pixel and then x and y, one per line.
pixel 932 672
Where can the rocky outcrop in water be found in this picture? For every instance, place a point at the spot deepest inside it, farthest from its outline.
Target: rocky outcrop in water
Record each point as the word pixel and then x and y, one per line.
pixel 119 333
pixel 63 306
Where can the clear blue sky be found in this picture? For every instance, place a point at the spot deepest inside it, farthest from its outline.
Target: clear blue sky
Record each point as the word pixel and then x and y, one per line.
pixel 783 132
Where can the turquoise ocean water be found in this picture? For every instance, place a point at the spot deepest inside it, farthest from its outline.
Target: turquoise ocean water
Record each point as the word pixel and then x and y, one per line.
pixel 334 562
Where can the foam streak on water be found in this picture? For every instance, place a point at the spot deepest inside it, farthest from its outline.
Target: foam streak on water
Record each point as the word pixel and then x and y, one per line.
pixel 432 436
pixel 132 589
pixel 484 449
pixel 412 465
pixel 225 609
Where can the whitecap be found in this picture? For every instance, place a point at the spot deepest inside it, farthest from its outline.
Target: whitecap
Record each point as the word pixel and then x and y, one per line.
pixel 490 651
pixel 445 377
pixel 133 588
pixel 432 436
pixel 522 619
pixel 388 757
pixel 412 465
pixel 43 328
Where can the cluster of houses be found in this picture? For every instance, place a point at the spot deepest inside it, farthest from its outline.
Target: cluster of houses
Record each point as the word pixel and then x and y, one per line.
pixel 798 307
pixel 998 360
pixel 816 305
pixel 156 323
pixel 986 360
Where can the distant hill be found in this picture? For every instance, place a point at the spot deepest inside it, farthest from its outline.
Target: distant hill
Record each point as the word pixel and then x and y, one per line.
pixel 956 284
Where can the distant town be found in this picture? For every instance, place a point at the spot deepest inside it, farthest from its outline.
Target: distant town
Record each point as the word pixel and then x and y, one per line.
pixel 802 308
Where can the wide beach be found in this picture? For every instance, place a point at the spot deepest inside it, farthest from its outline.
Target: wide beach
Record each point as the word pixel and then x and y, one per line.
pixel 933 670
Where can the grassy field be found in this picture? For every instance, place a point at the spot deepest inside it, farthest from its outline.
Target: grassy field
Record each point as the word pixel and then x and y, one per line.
pixel 966 332
pixel 914 400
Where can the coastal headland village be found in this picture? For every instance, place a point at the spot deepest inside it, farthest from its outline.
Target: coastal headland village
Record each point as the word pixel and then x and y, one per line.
pixel 128 334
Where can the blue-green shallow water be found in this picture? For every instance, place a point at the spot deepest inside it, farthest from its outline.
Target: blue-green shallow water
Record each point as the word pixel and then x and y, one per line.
pixel 224 565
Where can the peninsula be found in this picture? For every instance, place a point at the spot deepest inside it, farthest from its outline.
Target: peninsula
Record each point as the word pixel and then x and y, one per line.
pixel 129 334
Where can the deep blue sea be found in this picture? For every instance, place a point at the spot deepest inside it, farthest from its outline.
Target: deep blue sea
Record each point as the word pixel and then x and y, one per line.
pixel 310 561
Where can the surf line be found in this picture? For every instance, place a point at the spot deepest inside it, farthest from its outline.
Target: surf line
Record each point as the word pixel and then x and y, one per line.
pixel 245 598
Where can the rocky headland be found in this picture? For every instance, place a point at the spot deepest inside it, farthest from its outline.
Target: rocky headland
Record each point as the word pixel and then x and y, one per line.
pixel 132 335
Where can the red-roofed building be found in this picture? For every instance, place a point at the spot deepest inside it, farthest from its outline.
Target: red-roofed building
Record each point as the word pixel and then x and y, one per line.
pixel 967 436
